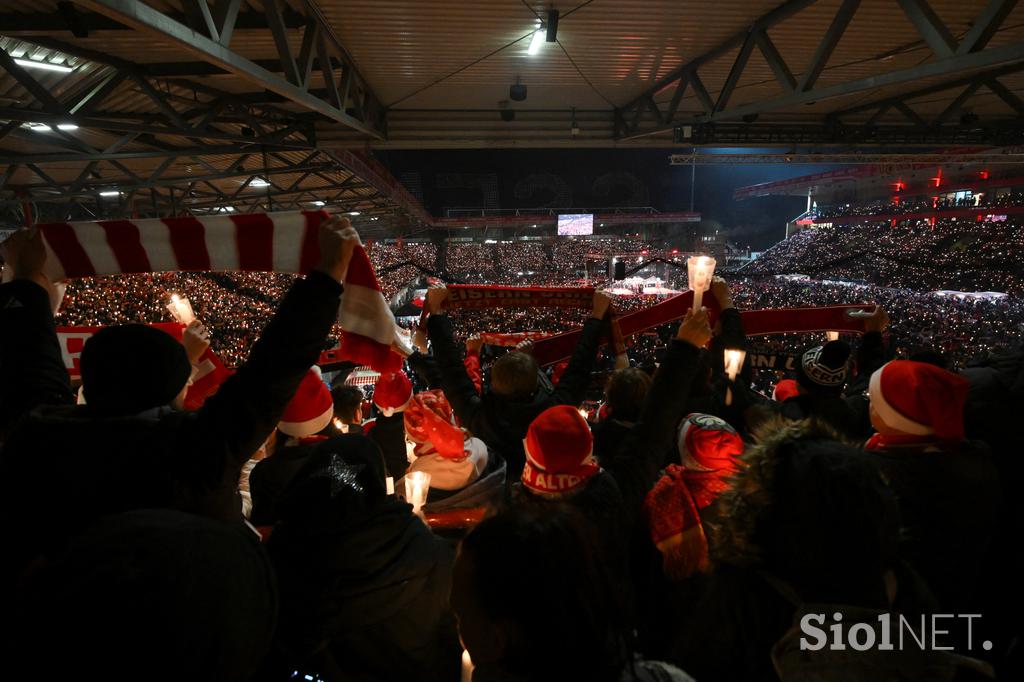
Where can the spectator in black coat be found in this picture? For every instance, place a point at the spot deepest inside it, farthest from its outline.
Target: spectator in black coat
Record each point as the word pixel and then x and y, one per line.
pixel 501 416
pixel 364 584
pixel 67 465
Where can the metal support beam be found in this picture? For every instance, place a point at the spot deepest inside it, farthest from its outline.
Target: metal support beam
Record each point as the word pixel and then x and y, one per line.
pixel 1006 95
pixel 930 26
pixel 145 19
pixel 735 72
pixel 956 104
pixel 775 61
pixel 26 80
pixel 986 25
pixel 828 44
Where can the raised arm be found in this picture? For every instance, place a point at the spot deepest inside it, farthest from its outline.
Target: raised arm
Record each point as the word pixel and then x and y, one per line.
pixel 455 382
pixel 32 372
pixel 247 408
pixel 572 387
pixel 636 463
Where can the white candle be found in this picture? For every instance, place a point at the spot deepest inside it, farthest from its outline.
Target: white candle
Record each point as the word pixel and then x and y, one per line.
pixel 389 482
pixel 700 269
pixel 467 667
pixel 832 336
pixel 417 484
pixel 733 363
pixel 181 309
pixel 340 425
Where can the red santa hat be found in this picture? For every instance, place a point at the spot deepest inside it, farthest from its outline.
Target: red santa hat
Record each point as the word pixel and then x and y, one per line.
pixel 707 443
pixel 310 409
pixel 559 452
pixel 785 389
pixel 919 399
pixel 429 424
pixel 392 392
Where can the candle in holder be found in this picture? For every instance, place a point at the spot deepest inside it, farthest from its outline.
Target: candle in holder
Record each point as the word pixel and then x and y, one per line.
pixel 701 269
pixel 417 484
pixel 832 336
pixel 733 363
pixel 181 310
pixel 340 425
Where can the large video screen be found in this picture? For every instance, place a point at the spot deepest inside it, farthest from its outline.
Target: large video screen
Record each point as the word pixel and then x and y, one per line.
pixel 575 223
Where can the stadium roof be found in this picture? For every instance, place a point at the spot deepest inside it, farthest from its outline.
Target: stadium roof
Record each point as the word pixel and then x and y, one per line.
pixel 163 89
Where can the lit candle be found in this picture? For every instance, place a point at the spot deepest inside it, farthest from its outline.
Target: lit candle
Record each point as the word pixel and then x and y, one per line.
pixel 832 336
pixel 340 425
pixel 467 667
pixel 700 269
pixel 417 484
pixel 181 309
pixel 584 413
pixel 733 362
pixel 389 482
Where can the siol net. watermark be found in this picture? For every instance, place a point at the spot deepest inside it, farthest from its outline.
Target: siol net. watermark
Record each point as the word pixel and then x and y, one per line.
pixel 888 632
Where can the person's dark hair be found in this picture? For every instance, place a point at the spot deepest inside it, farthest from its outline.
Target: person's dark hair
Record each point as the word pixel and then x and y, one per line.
pixel 811 510
pixel 574 623
pixel 931 357
pixel 347 400
pixel 514 375
pixel 131 368
pixel 626 392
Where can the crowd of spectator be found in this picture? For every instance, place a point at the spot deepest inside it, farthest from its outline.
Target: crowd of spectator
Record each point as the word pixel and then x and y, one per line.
pixel 958 254
pixel 921 204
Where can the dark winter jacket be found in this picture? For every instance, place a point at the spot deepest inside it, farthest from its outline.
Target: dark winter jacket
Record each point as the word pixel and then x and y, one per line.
pixel 364 589
pixel 497 421
pixel 66 466
pixel 949 497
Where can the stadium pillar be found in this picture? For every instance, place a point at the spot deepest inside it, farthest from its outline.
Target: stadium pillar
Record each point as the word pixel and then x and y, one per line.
pixel 440 240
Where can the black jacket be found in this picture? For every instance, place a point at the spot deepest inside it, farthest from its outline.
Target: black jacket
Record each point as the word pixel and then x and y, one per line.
pixel 368 600
pixel 949 500
pixel 66 466
pixel 497 421
pixel 389 435
pixel 32 372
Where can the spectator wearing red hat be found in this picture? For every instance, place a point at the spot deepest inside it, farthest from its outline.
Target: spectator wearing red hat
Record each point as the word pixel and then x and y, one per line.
pixel 391 395
pixel 784 390
pixel 709 449
pixel 463 473
pixel 560 465
pixel 947 486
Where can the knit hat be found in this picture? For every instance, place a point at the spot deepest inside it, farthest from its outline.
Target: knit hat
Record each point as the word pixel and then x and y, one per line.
pixel 392 392
pixel 559 452
pixel 131 368
pixel 447 473
pixel 919 399
pixel 824 369
pixel 707 443
pixel 429 424
pixel 310 409
pixel 784 390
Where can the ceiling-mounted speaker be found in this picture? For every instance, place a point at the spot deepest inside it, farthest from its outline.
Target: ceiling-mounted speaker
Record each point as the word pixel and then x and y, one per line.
pixel 517 92
pixel 508 115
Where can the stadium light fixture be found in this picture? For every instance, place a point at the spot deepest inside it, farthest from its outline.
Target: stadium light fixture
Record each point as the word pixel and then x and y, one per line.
pixel 319 203
pixel 45 66
pixel 259 182
pixel 110 193
pixel 354 213
pixel 67 126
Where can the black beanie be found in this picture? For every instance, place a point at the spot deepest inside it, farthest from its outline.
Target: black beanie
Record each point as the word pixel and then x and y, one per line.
pixel 824 369
pixel 131 368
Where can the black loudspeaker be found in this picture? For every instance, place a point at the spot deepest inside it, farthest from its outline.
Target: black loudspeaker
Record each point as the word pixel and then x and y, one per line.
pixel 620 270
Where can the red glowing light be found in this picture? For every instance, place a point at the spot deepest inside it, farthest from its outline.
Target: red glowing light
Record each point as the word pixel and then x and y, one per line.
pixel 983 174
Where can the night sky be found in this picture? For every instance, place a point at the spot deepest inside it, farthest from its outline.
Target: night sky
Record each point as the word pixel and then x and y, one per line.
pixel 595 179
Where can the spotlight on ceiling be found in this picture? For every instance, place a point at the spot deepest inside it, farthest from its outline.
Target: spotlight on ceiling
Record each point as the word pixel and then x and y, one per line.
pixel 45 66
pixel 536 41
pixel 259 182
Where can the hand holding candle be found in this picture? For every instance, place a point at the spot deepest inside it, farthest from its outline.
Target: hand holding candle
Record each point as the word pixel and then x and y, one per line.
pixel 734 358
pixel 181 309
pixel 700 269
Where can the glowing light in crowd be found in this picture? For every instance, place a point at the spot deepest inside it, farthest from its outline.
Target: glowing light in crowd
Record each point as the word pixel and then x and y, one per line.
pixel 700 269
pixel 45 66
pixel 417 484
pixel 733 362
pixel 584 413
pixel 181 309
